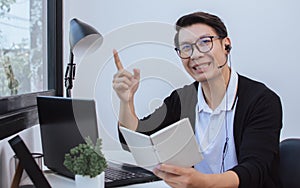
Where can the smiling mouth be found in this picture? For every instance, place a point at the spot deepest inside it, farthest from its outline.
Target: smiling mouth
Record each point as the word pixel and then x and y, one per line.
pixel 202 66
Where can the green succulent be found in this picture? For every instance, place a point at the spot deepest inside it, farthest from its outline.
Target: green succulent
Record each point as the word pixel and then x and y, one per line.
pixel 86 159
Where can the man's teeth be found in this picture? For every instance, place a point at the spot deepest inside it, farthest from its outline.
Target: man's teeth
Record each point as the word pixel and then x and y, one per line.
pixel 201 66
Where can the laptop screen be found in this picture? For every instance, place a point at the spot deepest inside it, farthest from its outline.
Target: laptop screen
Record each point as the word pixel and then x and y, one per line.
pixel 64 123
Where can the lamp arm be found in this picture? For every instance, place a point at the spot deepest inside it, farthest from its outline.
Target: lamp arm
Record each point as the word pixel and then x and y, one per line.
pixel 70 75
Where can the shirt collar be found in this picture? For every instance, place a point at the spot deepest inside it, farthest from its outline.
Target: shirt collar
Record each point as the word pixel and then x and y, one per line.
pixel 228 100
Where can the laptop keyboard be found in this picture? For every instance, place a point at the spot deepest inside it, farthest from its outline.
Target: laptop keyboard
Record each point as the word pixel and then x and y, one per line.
pixel 112 174
pixel 125 174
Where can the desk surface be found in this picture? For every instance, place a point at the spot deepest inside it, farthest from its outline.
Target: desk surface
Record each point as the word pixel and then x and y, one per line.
pixel 60 181
pixel 120 156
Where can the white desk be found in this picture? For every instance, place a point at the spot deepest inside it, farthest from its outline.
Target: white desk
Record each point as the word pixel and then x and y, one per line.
pixel 57 181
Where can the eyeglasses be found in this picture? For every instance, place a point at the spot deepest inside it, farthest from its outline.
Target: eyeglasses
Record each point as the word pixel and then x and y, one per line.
pixel 203 44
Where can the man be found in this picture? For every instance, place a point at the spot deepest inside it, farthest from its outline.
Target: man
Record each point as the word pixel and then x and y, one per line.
pixel 237 121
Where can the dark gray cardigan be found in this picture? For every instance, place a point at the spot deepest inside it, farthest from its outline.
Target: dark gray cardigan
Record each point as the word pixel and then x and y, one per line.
pixel 257 125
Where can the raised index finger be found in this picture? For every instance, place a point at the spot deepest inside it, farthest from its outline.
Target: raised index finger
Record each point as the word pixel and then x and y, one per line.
pixel 117 60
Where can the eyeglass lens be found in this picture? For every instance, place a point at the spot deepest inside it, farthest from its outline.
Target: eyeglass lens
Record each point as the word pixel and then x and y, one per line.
pixel 203 44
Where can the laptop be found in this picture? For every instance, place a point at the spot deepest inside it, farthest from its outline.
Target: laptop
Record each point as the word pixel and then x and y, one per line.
pixel 64 123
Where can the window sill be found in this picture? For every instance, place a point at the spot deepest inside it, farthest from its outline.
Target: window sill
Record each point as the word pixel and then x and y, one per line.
pixel 19 112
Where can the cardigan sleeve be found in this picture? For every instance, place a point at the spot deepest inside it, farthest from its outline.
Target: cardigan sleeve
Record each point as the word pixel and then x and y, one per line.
pixel 160 118
pixel 180 104
pixel 163 116
pixel 258 132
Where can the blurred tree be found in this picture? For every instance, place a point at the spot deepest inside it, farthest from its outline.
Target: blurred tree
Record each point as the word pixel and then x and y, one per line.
pixel 5 6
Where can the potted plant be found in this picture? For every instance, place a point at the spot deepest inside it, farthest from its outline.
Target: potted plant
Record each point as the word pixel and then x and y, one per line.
pixel 88 163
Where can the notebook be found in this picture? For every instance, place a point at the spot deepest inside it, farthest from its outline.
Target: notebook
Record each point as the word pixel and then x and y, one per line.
pixel 175 144
pixel 64 123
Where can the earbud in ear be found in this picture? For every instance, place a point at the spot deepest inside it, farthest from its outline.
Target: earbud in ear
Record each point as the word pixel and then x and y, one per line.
pixel 227 47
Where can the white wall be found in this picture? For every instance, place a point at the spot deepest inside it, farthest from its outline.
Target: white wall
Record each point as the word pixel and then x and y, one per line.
pixel 265 40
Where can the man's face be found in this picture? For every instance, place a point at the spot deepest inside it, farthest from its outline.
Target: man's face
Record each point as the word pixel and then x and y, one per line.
pixel 203 66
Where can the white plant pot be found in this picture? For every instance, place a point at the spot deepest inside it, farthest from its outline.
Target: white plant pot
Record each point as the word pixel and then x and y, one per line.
pixel 86 181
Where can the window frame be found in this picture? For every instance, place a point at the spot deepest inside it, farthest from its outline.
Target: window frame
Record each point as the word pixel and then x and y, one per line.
pixel 19 112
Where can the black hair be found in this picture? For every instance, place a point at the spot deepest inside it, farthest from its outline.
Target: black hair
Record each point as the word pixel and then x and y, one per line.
pixel 201 17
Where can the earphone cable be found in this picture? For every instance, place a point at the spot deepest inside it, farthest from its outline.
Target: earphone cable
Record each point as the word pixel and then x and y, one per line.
pixel 225 148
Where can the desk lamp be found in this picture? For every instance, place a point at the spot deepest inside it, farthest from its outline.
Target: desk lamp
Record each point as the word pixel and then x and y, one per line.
pixel 84 39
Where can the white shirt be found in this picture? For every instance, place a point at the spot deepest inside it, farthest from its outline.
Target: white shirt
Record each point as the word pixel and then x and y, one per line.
pixel 210 130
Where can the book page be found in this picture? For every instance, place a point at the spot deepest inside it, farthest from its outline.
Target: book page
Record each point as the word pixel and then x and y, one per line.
pixel 176 144
pixel 141 148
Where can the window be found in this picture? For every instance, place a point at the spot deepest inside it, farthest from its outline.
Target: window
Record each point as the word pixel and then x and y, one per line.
pixel 30 59
pixel 23 59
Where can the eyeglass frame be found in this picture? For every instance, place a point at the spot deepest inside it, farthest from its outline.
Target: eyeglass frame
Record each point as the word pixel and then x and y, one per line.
pixel 211 37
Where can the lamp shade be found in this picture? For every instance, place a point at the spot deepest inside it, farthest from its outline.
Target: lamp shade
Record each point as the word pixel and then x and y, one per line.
pixel 84 39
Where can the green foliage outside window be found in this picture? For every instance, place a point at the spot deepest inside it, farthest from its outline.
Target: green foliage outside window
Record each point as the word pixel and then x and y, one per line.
pixel 22 61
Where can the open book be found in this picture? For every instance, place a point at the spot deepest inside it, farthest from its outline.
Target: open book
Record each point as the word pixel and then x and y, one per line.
pixel 175 144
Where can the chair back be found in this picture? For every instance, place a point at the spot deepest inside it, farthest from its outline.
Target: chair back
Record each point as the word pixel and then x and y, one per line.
pixel 290 163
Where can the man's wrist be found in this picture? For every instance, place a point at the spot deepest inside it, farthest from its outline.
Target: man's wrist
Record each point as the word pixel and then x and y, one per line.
pixel 227 179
